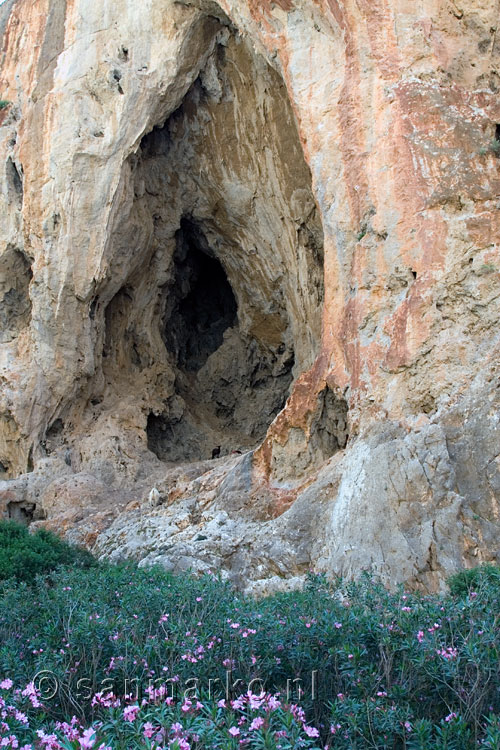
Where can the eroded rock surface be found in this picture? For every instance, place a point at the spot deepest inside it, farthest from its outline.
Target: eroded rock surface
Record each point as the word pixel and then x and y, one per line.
pixel 269 227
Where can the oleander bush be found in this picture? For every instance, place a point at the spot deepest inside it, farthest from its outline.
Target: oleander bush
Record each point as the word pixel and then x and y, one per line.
pixel 474 579
pixel 23 556
pixel 121 657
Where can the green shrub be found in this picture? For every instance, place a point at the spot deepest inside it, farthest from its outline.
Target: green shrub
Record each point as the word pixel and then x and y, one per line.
pixel 4 104
pixel 486 268
pixel 493 147
pixel 391 670
pixel 23 556
pixel 483 577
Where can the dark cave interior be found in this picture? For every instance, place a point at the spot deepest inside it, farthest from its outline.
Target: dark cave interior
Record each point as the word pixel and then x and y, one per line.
pixel 201 303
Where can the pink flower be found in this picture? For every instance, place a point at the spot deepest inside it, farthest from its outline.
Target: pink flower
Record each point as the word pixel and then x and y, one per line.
pixel 48 741
pixel 31 693
pixel 298 713
pixel 273 702
pixel 448 653
pixel 107 700
pixel 257 723
pixel 6 684
pixel 182 743
pixel 130 712
pixel 10 741
pixel 254 701
pixel 310 731
pixel 148 730
pixel 234 731
pixel 451 716
pixel 87 740
pixel 70 731
pixel 420 636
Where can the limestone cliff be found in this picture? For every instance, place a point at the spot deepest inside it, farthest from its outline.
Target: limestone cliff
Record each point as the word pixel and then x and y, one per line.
pixel 267 226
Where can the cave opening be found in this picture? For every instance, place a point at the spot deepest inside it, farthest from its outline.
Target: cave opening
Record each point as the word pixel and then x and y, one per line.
pixel 15 302
pixel 201 303
pixel 228 385
pixel 219 310
pixel 22 513
pixel 14 183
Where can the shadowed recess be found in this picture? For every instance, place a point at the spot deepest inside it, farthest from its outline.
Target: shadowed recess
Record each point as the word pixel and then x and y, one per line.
pixel 202 302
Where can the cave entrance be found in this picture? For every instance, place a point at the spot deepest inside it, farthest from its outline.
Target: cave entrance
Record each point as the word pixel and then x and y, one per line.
pixel 228 386
pixel 201 303
pixel 21 512
pixel 221 262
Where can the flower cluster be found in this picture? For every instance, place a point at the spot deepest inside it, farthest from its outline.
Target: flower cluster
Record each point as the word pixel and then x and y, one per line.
pixel 142 658
pixel 248 720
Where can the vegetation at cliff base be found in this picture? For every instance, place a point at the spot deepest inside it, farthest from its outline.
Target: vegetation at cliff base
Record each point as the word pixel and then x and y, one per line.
pixel 24 555
pixel 114 656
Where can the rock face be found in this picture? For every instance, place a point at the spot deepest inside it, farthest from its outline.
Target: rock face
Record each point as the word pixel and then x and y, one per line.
pixel 271 227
